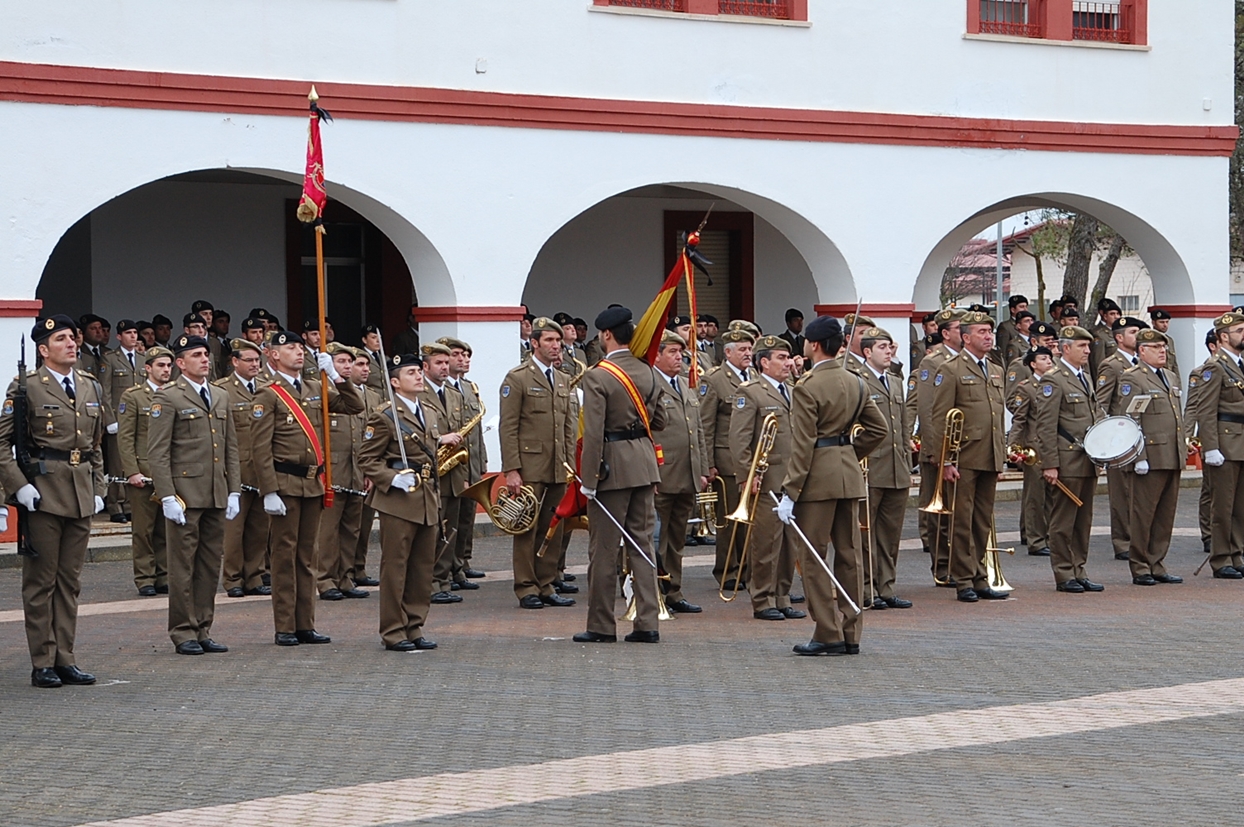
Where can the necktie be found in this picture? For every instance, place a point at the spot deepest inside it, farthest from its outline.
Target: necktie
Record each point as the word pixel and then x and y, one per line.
pixel 207 400
pixel 1240 362
pixel 674 384
pixel 69 390
pixel 984 370
pixel 785 395
pixel 297 384
pixel 548 374
pixel 441 394
pixel 1083 381
pixel 885 383
pixel 1162 375
pixel 250 386
pixel 131 358
pixel 419 416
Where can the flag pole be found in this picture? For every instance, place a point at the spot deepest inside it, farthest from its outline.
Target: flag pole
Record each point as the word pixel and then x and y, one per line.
pixel 326 438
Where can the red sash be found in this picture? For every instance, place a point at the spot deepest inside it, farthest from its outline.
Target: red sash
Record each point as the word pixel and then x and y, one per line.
pixel 304 422
pixel 636 400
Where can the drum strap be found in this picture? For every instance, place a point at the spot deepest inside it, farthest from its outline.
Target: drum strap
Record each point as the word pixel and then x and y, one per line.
pixel 1067 436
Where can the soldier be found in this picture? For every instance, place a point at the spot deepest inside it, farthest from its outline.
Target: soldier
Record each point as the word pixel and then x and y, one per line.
pixel 371 343
pixel 408 340
pixel 162 328
pixel 972 384
pixel 794 331
pixel 1041 334
pixel 1037 498
pixel 537 435
pixel 922 346
pixel 477 460
pixel 1161 320
pixel 94 345
pixel 311 341
pixel 1155 489
pixel 246 537
pixel 706 354
pixel 146 335
pixel 446 405
pixel 1021 342
pixel 252 331
pixel 1066 408
pixel 373 401
pixel 120 370
pixel 1010 329
pixel 581 342
pixel 824 483
pixel 718 393
pixel 685 470
pixel 524 337
pixel 204 309
pixel 1205 502
pixel 771 544
pixel 340 525
pixel 288 458
pixel 63 490
pixel 855 327
pixel 405 496
pixel 1119 480
pixel 570 360
pixel 1220 425
pixel 619 470
pixel 1108 312
pixel 889 472
pixel 147 535
pixel 193 451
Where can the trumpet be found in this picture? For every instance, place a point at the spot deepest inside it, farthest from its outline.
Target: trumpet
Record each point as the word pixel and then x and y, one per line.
pixel 952 441
pixel 449 457
pixel 746 512
pixel 705 521
pixel 1194 445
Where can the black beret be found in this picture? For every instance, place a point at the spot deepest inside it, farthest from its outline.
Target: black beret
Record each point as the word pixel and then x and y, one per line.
pixel 578 321
pixel 1070 312
pixel 286 337
pixel 1211 337
pixel 678 321
pixel 792 313
pixel 253 324
pixel 1158 314
pixel 1018 298
pixel 369 329
pixel 202 304
pixel 46 327
pixel 143 324
pixel 404 360
pixel 89 318
pixel 192 318
pixel 1124 322
pixel 1106 305
pixel 928 317
pixel 1031 355
pixel 710 318
pixel 1042 329
pixel 185 342
pixel 258 313
pixel 529 317
pixel 613 316
pixel 310 324
pixel 1025 314
pixel 160 318
pixel 563 318
pixel 822 328
pixel 126 324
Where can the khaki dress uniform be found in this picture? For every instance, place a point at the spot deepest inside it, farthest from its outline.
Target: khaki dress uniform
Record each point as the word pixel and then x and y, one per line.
pixel 409 521
pixel 686 461
pixel 477 466
pixel 1104 346
pixel 1220 425
pixel 537 435
pixel 405 342
pixel 719 390
pixel 91 360
pixel 246 536
pixel 934 530
pixel 117 375
pixel 340 525
pixel 148 541
pixel 960 383
pixel 448 411
pixel 1037 497
pixel 1064 412
pixel 65 435
pixel 1008 333
pixel 1155 494
pixel 193 451
pixel 1118 480
pixel 286 464
pixel 889 484
pixel 310 370
pixel 824 478
pixel 373 401
pixel 772 546
pixel 619 462
pixel 377 379
pixel 1205 501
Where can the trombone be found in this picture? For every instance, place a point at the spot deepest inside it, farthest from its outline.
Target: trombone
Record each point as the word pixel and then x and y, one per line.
pixel 746 512
pixel 866 525
pixel 952 441
pixel 993 562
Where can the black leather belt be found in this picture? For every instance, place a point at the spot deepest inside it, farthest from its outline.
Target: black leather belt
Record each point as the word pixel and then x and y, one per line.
pixel 833 441
pixel 73 457
pixel 309 472
pixel 1238 419
pixel 622 436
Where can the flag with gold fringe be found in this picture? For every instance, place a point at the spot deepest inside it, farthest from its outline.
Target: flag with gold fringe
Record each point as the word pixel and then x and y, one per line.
pixel 314 196
pixel 646 341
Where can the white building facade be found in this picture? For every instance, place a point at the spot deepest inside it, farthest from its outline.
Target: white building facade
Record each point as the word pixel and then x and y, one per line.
pixel 488 155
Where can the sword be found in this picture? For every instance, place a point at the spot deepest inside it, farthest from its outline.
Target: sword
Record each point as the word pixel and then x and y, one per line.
pixel 818 557
pixel 626 535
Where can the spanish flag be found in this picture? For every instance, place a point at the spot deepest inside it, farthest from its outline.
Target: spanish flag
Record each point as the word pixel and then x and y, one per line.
pixel 647 339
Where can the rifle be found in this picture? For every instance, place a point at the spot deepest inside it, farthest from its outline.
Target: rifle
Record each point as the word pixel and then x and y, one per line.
pixel 21 441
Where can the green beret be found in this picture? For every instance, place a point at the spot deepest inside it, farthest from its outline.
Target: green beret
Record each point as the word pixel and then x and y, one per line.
pixel 669 337
pixel 950 314
pixel 1075 333
pixel 433 348
pixel 975 317
pixel 1149 336
pixel 1227 319
pixel 155 352
pixel 878 333
pixel 743 324
pixel 545 323
pixel 772 343
pixel 737 334
pixel 234 344
pixel 452 343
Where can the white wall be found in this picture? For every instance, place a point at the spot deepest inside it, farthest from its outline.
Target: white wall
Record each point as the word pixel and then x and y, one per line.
pixel 1131 278
pixel 905 56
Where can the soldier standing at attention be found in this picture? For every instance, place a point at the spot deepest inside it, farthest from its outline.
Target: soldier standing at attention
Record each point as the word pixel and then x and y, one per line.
pixel 289 459
pixel 121 369
pixel 246 537
pixel 477 462
pixel 446 404
pixel 194 465
pixel 147 535
pixel 1162 323
pixel 1037 496
pixel 372 401
pixel 1119 479
pixel 1220 425
pixel 62 491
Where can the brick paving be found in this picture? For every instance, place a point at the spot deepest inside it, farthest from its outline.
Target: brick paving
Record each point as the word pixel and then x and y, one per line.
pixel 507 689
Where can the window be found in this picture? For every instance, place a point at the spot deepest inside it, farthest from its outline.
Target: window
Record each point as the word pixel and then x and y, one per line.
pixel 1130 305
pixel 777 9
pixel 795 10
pixel 1088 21
pixel 662 5
pixel 1009 17
pixel 1099 21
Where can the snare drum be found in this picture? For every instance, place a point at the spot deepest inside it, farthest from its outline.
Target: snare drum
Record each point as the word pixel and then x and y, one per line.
pixel 1114 442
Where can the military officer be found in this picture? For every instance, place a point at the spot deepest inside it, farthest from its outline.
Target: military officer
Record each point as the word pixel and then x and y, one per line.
pixel 685 470
pixel 1041 334
pixel 1037 498
pixel 537 435
pixel 771 546
pixel 370 336
pixel 1108 312
pixel 120 370
pixel 372 401
pixel 1161 321
pixel 404 494
pixel 568 360
pixel 794 331
pixel 252 331
pixel 889 472
pixel 205 310
pixel 1155 489
pixel 925 343
pixel 408 340
pixel 619 469
pixel 311 341
pixel 706 354
pixel 1010 329
pixel 246 536
pixel 524 336
pixel 340 525
pixel 718 392
pixel 1205 502
pixel 973 384
pixel 94 345
pixel 855 327
pixel 447 405
pixel 1021 342
pixel 824 483
pixel 193 451
pixel 477 462
pixel 147 535
pixel 1066 408
pixel 288 455
pixel 1220 425
pixel 1119 480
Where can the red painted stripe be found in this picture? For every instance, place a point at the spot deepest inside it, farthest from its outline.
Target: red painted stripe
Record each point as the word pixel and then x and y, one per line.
pixel 20 308
pixel 1193 311
pixel 468 314
pixel 43 83
pixel 888 311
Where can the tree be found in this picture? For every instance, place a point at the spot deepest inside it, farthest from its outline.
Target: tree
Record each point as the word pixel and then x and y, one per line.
pixel 1236 174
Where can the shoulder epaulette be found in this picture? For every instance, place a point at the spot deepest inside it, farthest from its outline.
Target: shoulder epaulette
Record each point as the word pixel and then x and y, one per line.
pixel 384 406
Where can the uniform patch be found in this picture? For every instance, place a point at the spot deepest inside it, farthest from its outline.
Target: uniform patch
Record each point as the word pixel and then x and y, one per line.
pixel 8 407
pixel 924 375
pixel 257 411
pixel 155 410
pixel 1102 381
pixel 937 380
pixel 505 391
pixel 1192 381
pixel 703 389
pixel 369 432
pixel 1125 389
pixel 121 408
pixel 741 402
pixel 1207 375
pixel 1010 377
pixel 911 384
pixel 1047 390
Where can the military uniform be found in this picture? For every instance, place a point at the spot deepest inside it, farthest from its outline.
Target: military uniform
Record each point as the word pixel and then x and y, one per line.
pixel 1017 347
pixel 116 375
pixel 408 519
pixel 1007 334
pixel 1104 346
pixel 889 482
pixel 719 390
pixel 286 464
pixel 246 536
pixel 537 435
pixel 1119 480
pixel 373 401
pixel 147 535
pixel 447 408
pixel 1037 497
pixel 341 524
pixel 1220 425
pixel 477 466
pixel 686 462
pixel 65 435
pixel 379 372
pixel 405 342
pixel 193 451
pixel 934 530
pixel 1205 501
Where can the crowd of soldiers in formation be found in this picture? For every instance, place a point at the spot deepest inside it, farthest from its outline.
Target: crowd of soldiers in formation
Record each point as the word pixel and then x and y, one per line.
pixel 210 446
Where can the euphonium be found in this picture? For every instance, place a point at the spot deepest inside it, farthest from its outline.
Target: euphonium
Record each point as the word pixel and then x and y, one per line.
pixel 952 440
pixel 746 512
pixel 512 514
pixel 449 457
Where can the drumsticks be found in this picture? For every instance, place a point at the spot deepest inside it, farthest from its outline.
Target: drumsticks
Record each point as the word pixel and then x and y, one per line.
pixel 1063 488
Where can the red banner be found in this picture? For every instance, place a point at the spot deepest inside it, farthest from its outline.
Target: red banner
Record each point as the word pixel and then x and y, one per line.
pixel 314 196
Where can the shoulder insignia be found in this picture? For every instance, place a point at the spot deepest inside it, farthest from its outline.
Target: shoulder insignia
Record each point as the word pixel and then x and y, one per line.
pixel 369 432
pixel 384 406
pixel 741 402
pixel 911 384
pixel 257 411
pixel 1207 375
pixel 1125 389
pixel 937 380
pixel 156 410
pixel 121 407
pixel 8 407
pixel 924 375
pixel 1010 376
pixel 1101 380
pixel 1047 390
pixel 505 391
pixel 1192 380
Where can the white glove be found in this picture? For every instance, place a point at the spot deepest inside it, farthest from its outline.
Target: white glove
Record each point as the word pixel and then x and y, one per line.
pixel 406 480
pixel 1142 467
pixel 28 496
pixel 786 510
pixel 234 507
pixel 113 428
pixel 590 493
pixel 325 363
pixel 273 504
pixel 1214 458
pixel 173 510
pixel 99 504
pixel 4 520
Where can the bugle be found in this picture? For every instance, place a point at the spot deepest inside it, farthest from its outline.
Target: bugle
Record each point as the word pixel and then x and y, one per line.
pixel 1020 455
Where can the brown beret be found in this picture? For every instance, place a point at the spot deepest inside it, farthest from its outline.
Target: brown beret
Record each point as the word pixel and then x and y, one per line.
pixel 772 343
pixel 737 334
pixel 1075 333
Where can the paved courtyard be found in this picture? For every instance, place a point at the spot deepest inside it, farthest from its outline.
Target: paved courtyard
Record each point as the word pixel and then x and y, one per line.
pixel 1120 708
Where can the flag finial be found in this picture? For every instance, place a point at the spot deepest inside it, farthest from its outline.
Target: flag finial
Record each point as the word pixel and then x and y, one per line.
pixel 314 95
